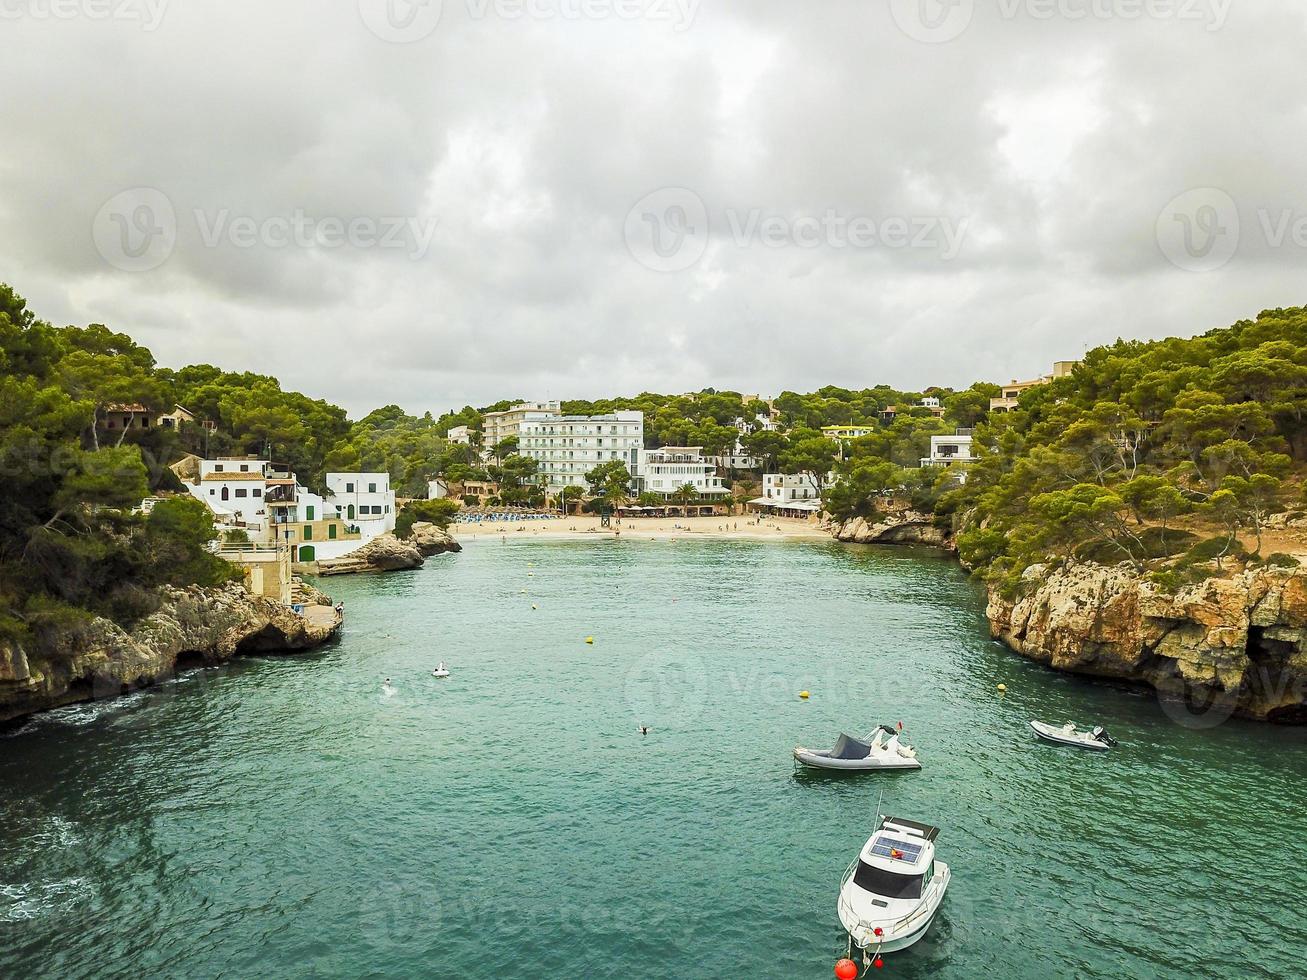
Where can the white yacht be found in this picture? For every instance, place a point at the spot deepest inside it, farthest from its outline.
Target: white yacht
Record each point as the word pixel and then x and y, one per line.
pixel 890 894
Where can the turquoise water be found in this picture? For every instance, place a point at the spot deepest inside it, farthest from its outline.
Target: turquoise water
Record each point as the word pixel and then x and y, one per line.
pixel 282 817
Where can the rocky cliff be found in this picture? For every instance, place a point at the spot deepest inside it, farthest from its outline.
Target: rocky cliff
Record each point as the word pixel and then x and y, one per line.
pixel 902 527
pixel 1235 645
pixel 388 553
pixel 431 540
pixel 192 627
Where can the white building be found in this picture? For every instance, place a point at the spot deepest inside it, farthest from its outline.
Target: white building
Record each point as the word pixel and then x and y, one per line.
pixel 739 459
pixel 267 501
pixel 363 497
pixel 784 487
pixel 503 425
pixel 789 495
pixel 437 489
pixel 233 489
pixel 460 434
pixel 759 423
pixel 947 450
pixel 840 433
pixel 567 447
pixel 664 471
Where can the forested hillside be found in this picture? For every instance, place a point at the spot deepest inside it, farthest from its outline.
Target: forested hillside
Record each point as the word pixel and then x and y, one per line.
pixel 1170 455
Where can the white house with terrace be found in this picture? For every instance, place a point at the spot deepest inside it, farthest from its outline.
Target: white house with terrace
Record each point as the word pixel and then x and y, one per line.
pixel 267 502
pixel 789 495
pixel 665 471
pixel 949 450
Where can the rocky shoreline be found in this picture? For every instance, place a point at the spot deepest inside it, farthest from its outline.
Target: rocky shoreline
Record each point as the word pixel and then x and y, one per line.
pixel 388 553
pixel 192 627
pixel 903 527
pixel 1235 646
pixel 1227 646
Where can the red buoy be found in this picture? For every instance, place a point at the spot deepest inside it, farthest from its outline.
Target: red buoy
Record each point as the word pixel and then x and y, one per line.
pixel 877 962
pixel 846 970
pixel 879 931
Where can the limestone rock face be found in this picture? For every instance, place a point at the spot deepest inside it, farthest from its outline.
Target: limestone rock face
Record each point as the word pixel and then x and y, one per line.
pixel 384 553
pixel 1236 645
pixel 905 527
pixel 192 627
pixel 431 540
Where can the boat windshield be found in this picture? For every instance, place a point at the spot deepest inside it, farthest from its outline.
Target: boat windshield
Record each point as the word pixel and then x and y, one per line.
pixel 886 883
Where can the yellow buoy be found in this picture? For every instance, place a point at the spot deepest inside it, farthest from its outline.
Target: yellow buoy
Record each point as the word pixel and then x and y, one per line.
pixel 804 695
pixel 1002 687
pixel 590 640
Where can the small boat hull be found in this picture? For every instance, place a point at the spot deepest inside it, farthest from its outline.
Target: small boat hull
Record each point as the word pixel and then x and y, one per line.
pixel 823 760
pixel 1057 735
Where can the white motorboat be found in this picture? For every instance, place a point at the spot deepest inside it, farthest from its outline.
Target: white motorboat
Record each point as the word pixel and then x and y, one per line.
pixel 890 894
pixel 850 754
pixel 1096 739
pixel 441 670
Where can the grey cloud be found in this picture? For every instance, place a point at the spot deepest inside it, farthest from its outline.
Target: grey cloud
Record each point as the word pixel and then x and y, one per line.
pixel 1060 141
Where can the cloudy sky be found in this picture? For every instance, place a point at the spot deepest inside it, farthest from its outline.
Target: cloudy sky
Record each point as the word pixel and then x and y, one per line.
pixel 395 201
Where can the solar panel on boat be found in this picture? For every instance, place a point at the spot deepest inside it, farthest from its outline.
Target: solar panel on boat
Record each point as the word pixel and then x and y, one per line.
pixel 899 850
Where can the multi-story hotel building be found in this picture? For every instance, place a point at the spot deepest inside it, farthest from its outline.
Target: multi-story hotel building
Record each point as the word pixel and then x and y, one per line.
pixel 666 470
pixel 567 447
pixel 502 425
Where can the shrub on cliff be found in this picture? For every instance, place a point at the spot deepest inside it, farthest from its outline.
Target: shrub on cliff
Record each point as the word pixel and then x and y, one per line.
pixel 438 512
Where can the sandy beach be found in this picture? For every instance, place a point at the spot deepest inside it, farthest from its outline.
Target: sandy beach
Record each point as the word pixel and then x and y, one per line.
pixel 640 528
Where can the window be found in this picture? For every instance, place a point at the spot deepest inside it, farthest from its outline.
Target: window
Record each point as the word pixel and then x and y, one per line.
pixel 212 491
pixel 217 468
pixel 331 531
pixel 245 467
pixel 886 883
pixel 256 492
pixel 372 488
pixel 308 532
pixel 349 488
pixel 240 492
pixel 308 513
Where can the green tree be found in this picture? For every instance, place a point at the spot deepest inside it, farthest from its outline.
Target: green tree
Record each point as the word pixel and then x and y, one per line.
pixel 439 512
pixel 814 455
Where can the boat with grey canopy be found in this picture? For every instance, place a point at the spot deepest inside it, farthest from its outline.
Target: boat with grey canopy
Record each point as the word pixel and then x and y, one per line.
pixel 874 751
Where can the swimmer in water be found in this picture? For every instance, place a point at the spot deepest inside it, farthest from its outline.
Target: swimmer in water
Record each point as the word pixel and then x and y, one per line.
pixel 644 730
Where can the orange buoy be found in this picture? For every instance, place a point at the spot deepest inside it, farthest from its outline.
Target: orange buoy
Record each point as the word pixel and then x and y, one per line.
pixel 846 970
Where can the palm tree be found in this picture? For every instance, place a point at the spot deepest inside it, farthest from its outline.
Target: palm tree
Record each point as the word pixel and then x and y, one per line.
pixel 684 494
pixel 617 496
